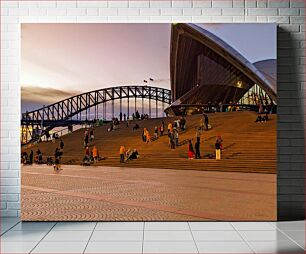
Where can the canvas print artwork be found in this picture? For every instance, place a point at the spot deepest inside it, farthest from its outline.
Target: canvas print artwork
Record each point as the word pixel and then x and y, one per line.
pixel 148 122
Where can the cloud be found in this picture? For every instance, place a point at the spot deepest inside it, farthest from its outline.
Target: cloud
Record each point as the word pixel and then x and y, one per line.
pixel 33 98
pixel 44 95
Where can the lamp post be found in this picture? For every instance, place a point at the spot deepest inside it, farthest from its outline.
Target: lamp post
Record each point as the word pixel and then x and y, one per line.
pixel 150 79
pixel 142 99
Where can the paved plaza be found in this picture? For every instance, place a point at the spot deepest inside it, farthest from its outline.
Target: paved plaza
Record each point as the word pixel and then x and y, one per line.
pixel 145 194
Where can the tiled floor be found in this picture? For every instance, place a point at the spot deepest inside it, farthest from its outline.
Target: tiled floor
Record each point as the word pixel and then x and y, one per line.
pixel 152 237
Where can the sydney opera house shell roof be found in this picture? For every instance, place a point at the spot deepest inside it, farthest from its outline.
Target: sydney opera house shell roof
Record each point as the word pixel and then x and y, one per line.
pixel 204 69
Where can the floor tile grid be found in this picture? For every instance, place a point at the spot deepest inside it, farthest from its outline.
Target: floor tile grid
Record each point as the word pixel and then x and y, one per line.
pixel 289 227
pixel 107 244
pixel 291 239
pixel 142 244
pixel 246 242
pixel 162 227
pixel 159 237
pixel 43 238
pixel 90 237
pixel 193 238
pixel 276 226
pixel 10 227
pixel 273 224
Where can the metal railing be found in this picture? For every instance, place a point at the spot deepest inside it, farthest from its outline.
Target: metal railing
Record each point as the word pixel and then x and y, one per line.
pixel 200 108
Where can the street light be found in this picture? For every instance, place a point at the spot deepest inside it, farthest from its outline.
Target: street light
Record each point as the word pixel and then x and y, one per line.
pixel 146 81
pixel 156 105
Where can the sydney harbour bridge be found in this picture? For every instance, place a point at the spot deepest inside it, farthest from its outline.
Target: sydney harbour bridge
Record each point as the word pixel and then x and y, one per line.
pixel 86 107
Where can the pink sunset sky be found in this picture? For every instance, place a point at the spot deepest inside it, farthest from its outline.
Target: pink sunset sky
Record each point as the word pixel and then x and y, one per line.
pixel 58 60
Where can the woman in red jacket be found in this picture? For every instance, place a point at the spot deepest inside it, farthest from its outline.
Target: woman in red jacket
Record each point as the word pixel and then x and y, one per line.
pixel 190 150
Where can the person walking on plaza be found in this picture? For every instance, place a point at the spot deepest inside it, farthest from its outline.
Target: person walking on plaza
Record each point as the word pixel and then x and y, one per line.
pixel 197 149
pixel 57 160
pixel 122 153
pixel 218 150
pixel 190 150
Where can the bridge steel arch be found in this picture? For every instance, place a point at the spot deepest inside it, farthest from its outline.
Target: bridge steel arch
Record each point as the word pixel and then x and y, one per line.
pixel 62 111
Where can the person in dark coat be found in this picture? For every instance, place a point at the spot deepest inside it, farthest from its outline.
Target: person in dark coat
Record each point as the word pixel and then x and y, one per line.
pixel 47 135
pixel 134 155
pixel 197 149
pixel 206 121
pixel 183 124
pixel 24 158
pixel 62 144
pixel 86 140
pixel 57 159
pixel 31 156
pixel 172 140
pixel 136 127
